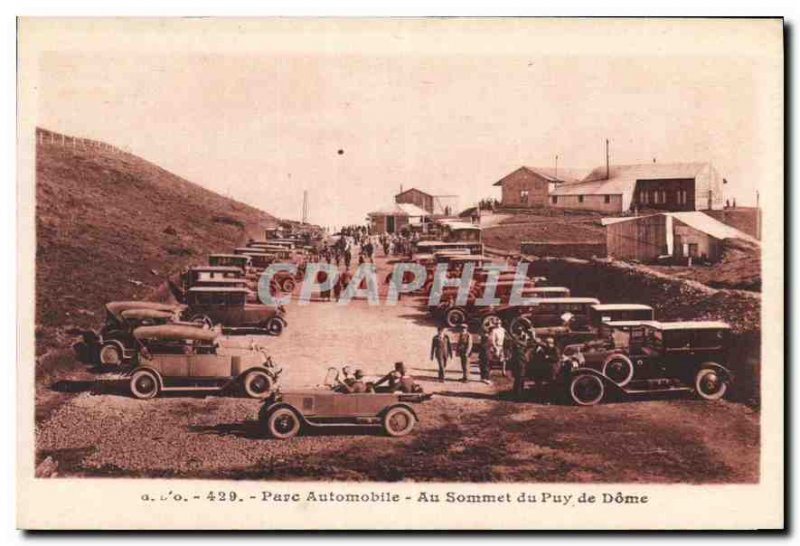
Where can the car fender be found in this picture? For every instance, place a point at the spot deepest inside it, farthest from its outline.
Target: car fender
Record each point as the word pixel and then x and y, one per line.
pixel 399 405
pixel 267 408
pixel 591 371
pixel 149 369
pixel 271 373
pixel 719 367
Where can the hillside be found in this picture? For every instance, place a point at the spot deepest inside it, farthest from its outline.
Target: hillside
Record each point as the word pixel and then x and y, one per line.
pixel 112 226
pixel 548 225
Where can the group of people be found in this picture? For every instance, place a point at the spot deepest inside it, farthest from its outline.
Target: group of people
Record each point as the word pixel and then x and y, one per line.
pixel 397 380
pixel 497 349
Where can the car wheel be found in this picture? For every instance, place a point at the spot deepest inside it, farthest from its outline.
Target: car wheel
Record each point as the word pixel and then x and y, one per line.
pixel 283 423
pixel 203 319
pixel 710 384
pixel 275 326
pixel 144 384
pixel 288 285
pixel 398 421
pixel 586 389
pixel 110 355
pixel 490 321
pixel 257 384
pixel 521 329
pixel 455 317
pixel 619 369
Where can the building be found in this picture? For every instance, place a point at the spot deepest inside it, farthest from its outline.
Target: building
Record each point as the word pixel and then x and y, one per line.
pixel 436 205
pixel 395 217
pixel 531 186
pixel 677 234
pixel 649 186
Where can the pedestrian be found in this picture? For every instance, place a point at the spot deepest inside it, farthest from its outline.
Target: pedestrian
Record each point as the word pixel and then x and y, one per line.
pixel 463 349
pixel 441 350
pixel 483 357
pixel 497 345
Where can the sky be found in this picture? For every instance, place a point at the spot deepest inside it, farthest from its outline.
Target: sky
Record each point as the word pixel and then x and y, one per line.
pixel 353 112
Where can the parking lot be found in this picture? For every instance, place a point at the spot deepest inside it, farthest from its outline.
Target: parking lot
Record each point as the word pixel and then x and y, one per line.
pixel 467 432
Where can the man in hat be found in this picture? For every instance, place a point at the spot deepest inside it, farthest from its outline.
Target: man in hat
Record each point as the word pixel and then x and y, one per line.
pixel 398 380
pixel 441 350
pixel 463 350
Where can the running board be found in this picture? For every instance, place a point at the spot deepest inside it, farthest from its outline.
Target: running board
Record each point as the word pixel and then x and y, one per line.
pixel 657 390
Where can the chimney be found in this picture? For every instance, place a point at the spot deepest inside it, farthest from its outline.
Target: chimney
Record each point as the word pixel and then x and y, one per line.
pixel 608 168
pixel 555 174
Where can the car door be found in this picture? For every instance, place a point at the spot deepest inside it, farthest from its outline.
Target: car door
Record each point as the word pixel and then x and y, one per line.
pixel 172 365
pixel 209 365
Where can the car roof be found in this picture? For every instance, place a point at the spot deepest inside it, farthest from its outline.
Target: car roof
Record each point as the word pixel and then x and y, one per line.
pixel 219 289
pixel 141 313
pixel 688 325
pixel 226 256
pixel 117 307
pixel 220 268
pixel 624 323
pixel 176 331
pixel 225 280
pixel 569 300
pixel 550 289
pixel 621 307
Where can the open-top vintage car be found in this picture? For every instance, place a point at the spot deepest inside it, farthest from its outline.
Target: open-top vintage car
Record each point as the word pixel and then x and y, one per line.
pixel 285 413
pixel 114 344
pixel 228 306
pixel 659 357
pixel 185 358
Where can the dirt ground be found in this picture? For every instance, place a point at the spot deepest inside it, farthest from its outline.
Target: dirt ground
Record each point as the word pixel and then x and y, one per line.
pixel 467 432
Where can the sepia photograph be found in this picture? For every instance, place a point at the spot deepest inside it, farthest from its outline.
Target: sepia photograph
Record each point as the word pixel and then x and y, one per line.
pixel 331 265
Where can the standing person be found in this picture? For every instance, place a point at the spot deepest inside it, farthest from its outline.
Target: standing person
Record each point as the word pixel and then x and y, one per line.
pixel 348 255
pixel 497 345
pixel 463 350
pixel 441 350
pixel 483 357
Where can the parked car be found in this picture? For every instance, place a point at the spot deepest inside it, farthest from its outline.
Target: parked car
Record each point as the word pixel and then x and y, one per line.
pixel 659 357
pixel 285 414
pixel 184 358
pixel 562 318
pixel 113 344
pixel 229 307
pixel 241 261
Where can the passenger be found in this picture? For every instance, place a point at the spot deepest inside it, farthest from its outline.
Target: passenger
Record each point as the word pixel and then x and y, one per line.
pixel 358 386
pixel 398 380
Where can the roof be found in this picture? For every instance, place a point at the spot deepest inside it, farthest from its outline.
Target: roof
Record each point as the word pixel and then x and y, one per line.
pixel 562 175
pixel 175 331
pixel 622 179
pixel 622 307
pixel 688 325
pixel 696 219
pixel 413 189
pixel 549 289
pixel 400 209
pixel 569 300
pixel 455 224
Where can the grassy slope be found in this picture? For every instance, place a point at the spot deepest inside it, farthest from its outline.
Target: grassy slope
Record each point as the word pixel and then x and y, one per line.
pixel 545 226
pixel 105 218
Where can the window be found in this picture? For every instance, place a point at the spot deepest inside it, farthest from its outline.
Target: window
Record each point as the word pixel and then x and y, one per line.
pixel 580 199
pixel 554 199
pixel 683 197
pixel 606 199
pixel 655 198
pixel 523 196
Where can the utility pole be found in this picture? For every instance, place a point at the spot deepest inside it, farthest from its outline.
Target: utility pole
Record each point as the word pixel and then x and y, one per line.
pixel 608 159
pixel 305 206
pixel 555 175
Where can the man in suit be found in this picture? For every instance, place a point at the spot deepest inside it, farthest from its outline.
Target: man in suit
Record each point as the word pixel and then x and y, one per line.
pixel 441 350
pixel 463 350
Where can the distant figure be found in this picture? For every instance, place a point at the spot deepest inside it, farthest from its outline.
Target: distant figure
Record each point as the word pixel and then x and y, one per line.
pixel 734 202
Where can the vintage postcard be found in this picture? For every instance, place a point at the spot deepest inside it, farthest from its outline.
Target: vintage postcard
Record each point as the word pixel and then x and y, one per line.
pixel 401 273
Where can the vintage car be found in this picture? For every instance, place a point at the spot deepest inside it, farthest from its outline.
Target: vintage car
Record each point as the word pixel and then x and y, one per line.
pixel 241 261
pixel 184 358
pixel 113 344
pixel 659 357
pixel 284 414
pixel 259 260
pixel 536 314
pixel 229 307
pixel 563 318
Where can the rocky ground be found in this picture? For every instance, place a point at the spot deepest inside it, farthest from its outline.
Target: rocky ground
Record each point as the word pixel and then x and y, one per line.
pixel 467 432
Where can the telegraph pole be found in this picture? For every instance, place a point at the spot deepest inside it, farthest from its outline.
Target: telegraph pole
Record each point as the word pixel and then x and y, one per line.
pixel 305 206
